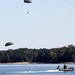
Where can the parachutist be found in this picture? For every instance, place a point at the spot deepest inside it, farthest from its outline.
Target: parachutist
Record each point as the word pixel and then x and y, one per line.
pixel 27 1
pixel 27 12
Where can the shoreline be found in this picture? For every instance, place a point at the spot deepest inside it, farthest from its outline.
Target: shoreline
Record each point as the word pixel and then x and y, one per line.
pixel 18 63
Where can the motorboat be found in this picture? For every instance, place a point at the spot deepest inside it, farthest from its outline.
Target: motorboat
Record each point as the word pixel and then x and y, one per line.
pixel 67 69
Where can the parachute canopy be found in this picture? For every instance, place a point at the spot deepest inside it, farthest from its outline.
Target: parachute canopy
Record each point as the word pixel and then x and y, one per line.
pixel 8 44
pixel 27 1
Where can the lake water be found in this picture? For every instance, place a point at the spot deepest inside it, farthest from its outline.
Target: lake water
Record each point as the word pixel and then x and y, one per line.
pixel 34 69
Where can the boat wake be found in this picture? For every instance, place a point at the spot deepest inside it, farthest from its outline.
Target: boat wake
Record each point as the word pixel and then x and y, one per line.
pixel 30 72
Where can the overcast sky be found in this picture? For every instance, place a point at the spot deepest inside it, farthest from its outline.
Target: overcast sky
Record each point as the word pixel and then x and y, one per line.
pixel 49 24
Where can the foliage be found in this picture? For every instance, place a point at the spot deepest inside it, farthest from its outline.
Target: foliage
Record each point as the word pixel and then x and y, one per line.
pixel 55 55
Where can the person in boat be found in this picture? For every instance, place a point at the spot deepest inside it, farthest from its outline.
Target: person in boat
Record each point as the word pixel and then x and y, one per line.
pixel 65 66
pixel 58 67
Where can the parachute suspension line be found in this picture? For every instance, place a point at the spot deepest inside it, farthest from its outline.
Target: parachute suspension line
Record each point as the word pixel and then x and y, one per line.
pixel 27 8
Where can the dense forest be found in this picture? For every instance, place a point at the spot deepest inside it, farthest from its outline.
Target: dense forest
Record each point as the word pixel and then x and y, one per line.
pixel 54 55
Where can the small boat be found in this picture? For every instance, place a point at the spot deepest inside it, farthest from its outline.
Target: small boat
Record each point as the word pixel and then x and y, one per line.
pixel 68 69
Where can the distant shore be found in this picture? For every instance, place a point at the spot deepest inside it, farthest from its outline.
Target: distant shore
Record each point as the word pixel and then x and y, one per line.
pixel 37 63
pixel 21 63
pixel 16 63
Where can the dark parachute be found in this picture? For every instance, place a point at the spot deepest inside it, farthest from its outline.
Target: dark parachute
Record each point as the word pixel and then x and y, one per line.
pixel 8 44
pixel 27 1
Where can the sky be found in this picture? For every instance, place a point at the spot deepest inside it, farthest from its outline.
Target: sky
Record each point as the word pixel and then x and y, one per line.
pixel 49 24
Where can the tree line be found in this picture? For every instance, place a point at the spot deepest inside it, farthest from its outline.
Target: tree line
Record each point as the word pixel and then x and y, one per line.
pixel 54 55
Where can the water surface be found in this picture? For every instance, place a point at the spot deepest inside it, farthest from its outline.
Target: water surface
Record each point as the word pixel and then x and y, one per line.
pixel 33 69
